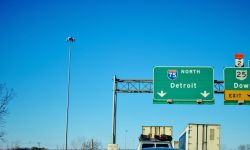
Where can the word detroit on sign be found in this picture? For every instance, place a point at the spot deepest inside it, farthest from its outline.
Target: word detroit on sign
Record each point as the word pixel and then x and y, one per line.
pixel 183 85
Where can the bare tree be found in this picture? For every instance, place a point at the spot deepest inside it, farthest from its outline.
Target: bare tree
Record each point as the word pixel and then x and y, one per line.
pixel 83 144
pixel 76 144
pixel 5 96
pixel 91 145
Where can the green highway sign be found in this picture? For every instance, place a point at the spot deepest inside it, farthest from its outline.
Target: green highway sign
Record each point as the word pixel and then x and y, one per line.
pixel 236 85
pixel 183 85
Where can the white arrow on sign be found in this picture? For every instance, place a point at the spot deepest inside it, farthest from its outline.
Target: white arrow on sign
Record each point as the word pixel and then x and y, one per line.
pixel 205 94
pixel 162 93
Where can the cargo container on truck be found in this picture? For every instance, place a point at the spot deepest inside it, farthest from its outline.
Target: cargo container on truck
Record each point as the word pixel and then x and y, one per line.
pixel 155 138
pixel 200 137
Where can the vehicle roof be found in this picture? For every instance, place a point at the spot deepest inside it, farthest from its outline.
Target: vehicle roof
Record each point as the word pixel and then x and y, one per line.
pixel 160 142
pixel 158 148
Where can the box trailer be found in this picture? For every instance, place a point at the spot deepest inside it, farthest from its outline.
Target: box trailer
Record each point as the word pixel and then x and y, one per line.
pixel 156 138
pixel 157 130
pixel 200 137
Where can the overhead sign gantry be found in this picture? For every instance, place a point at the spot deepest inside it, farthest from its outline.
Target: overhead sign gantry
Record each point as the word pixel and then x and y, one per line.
pixel 185 85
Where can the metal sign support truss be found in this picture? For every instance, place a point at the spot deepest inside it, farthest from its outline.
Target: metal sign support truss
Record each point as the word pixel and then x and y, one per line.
pixel 141 86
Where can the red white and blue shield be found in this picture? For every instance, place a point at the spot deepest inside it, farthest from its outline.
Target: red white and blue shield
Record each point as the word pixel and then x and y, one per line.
pixel 172 74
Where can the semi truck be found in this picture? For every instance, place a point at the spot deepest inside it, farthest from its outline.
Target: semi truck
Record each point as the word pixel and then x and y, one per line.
pixel 200 137
pixel 156 138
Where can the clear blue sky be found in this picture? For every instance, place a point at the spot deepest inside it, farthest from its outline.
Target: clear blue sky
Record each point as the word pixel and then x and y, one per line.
pixel 124 38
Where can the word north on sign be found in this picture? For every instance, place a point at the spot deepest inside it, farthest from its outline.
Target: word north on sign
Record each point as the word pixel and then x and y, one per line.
pixel 236 84
pixel 183 85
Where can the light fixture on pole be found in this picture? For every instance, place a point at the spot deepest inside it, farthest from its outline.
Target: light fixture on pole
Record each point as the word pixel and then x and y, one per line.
pixel 70 40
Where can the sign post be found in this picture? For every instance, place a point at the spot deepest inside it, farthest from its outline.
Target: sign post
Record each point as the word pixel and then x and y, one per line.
pixel 237 85
pixel 183 85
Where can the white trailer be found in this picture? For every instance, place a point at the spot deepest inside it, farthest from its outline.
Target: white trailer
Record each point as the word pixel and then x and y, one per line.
pixel 157 130
pixel 200 137
pixel 156 138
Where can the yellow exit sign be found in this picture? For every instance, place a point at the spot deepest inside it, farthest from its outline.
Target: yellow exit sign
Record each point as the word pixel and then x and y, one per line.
pixel 237 95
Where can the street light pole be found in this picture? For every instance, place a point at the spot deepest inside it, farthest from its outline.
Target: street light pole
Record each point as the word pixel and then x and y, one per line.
pixel 126 131
pixel 70 40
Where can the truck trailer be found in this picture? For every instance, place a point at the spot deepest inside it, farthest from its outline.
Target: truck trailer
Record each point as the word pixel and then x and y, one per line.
pixel 200 137
pixel 153 131
pixel 156 138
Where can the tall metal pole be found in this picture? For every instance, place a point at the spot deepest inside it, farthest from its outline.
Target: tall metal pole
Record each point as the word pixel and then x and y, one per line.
pixel 126 131
pixel 114 111
pixel 70 40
